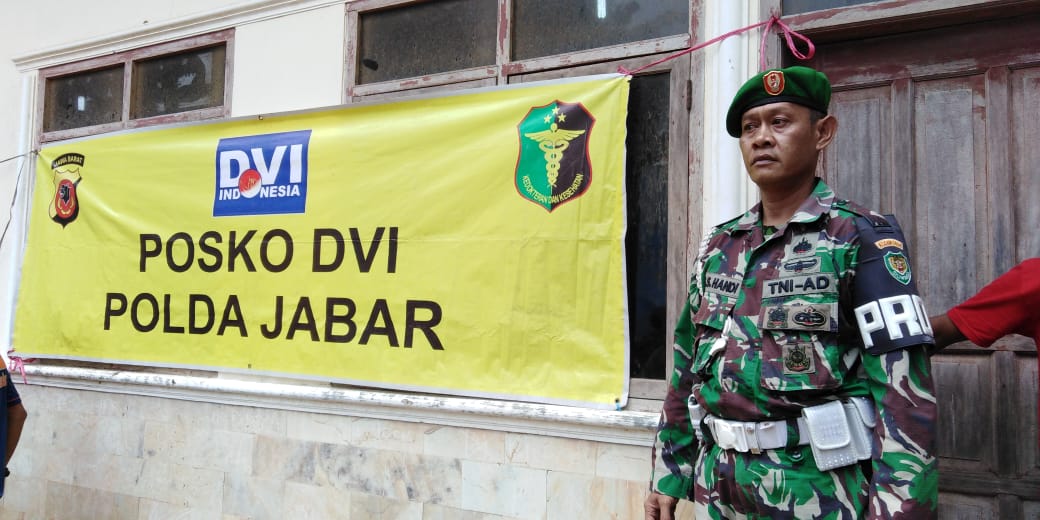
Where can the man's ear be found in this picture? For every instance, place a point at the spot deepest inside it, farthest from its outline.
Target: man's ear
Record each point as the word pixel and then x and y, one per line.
pixel 826 127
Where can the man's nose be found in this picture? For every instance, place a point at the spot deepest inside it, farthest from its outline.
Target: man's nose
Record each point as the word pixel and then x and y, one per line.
pixel 762 137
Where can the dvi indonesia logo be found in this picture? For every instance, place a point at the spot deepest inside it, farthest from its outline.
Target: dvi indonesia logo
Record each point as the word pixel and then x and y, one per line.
pixel 262 174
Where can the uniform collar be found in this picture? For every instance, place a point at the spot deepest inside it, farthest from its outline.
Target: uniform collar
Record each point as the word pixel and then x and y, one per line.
pixel 815 206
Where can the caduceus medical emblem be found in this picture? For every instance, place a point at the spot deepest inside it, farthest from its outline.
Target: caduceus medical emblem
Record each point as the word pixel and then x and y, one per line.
pixel 554 166
pixel 553 142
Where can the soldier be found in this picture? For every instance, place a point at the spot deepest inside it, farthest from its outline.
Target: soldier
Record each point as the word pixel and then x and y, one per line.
pixel 801 386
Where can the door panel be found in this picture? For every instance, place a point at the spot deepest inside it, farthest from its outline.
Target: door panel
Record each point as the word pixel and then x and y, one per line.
pixel 860 145
pixel 1025 97
pixel 949 151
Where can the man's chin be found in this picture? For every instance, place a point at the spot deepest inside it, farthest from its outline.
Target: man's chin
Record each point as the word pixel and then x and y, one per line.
pixel 766 174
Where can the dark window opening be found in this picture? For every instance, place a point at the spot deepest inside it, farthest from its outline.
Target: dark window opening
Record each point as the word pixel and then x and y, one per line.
pixel 178 83
pixel 646 240
pixel 549 27
pixel 804 6
pixel 427 38
pixel 84 99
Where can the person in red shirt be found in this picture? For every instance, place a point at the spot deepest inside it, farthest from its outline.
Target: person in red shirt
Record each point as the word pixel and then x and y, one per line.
pixel 1008 305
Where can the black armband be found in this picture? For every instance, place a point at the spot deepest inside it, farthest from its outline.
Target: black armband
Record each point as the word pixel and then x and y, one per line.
pixel 889 312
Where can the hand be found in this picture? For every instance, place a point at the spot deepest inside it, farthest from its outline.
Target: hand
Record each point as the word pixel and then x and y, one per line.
pixel 660 507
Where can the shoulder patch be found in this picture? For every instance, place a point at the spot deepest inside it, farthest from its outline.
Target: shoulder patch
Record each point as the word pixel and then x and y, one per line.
pixel 889 312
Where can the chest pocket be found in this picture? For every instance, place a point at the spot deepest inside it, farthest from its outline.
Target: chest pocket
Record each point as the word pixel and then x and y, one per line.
pixel 711 319
pixel 797 357
pixel 800 347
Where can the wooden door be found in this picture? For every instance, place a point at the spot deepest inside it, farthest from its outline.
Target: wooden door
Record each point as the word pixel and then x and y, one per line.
pixel 941 127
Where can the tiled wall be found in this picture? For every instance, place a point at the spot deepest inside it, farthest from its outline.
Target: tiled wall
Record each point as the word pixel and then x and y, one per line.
pixel 112 456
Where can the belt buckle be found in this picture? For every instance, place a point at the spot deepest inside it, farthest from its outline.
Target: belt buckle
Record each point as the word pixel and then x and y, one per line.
pixel 731 435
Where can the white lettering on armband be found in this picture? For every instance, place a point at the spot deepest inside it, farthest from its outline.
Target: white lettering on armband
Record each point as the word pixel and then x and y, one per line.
pixel 892 316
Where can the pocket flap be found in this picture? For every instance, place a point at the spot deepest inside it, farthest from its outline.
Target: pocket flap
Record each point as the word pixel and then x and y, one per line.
pixel 827 425
pixel 713 311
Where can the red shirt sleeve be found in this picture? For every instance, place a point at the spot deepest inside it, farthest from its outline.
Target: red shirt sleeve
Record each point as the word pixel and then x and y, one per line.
pixel 1008 305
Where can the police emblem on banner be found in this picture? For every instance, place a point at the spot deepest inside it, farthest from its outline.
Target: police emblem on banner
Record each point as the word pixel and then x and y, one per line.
pixel 66 171
pixel 898 267
pixel 553 166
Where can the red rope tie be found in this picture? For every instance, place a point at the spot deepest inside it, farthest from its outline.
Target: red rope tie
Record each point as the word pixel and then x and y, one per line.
pixel 790 42
pixel 768 24
pixel 18 364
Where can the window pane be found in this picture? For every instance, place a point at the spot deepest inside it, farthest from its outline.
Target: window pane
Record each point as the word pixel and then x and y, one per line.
pixel 804 6
pixel 426 38
pixel 646 241
pixel 178 83
pixel 548 27
pixel 84 99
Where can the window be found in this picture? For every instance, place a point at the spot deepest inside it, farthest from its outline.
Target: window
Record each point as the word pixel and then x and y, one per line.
pixel 805 6
pixel 177 81
pixel 84 99
pixel 397 45
pixel 403 46
pixel 548 27
pixel 427 38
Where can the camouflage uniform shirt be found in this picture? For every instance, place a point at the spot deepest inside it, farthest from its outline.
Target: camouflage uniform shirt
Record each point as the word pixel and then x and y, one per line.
pixel 768 329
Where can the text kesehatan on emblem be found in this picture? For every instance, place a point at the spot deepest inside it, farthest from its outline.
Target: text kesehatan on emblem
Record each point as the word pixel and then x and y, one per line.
pixel 67 173
pixel 553 166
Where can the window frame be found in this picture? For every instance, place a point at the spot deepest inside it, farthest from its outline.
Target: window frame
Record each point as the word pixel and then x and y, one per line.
pixel 504 66
pixel 127 60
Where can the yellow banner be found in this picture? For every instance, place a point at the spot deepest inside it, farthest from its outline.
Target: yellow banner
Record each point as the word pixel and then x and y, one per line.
pixel 471 244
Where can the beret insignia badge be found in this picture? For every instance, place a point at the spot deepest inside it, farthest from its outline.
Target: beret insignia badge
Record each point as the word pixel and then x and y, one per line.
pixel 773 82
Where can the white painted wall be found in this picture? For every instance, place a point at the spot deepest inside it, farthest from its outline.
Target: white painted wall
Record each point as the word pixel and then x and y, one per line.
pixel 728 191
pixel 277 69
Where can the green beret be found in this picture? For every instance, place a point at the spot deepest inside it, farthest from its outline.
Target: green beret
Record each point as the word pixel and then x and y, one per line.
pixel 796 84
